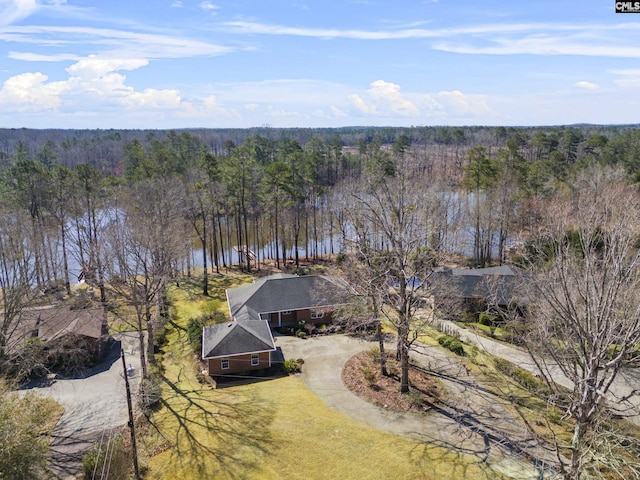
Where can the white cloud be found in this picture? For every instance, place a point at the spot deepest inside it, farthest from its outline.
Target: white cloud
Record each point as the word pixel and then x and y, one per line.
pixel 176 4
pixel 391 34
pixel 385 99
pixel 538 45
pixel 489 39
pixel 629 78
pixel 361 105
pixel 583 85
pixel 625 72
pixel 31 90
pixel 36 57
pixel 388 94
pixel 153 99
pixel 454 103
pixel 14 10
pixel 94 67
pixel 92 81
pixel 337 112
pixel 114 43
pixel 208 6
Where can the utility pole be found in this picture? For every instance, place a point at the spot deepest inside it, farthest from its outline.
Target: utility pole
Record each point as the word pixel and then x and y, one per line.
pixel 131 424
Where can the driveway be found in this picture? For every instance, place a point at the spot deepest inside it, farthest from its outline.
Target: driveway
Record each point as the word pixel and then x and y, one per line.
pixel 94 406
pixel 473 421
pixel 624 387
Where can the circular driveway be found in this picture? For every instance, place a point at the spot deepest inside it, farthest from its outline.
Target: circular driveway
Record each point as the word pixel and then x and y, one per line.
pixel 473 421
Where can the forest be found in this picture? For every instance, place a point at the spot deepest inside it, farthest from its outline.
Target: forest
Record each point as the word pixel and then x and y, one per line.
pixel 92 205
pixel 129 212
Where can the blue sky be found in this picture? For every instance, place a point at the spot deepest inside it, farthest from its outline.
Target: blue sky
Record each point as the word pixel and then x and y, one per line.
pixel 316 63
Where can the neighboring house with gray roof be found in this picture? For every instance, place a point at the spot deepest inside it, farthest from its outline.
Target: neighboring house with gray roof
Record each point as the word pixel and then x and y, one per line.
pixel 235 347
pixel 475 288
pixel 279 300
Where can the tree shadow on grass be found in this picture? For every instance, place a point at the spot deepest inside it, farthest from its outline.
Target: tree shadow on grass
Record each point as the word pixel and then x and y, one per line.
pixel 499 436
pixel 214 428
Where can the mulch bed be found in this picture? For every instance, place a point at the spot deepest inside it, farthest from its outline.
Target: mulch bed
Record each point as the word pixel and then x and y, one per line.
pixel 361 374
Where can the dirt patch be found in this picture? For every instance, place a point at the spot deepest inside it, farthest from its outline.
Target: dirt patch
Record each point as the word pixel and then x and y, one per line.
pixel 361 374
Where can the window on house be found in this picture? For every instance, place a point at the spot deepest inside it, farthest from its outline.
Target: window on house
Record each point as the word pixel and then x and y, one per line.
pixel 224 363
pixel 255 359
pixel 315 314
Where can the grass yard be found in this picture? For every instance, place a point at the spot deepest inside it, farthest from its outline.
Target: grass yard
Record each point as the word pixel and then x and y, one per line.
pixel 273 429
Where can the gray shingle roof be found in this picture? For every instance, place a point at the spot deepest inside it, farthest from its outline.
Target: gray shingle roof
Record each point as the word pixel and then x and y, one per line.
pixel 283 292
pixel 479 283
pixel 236 338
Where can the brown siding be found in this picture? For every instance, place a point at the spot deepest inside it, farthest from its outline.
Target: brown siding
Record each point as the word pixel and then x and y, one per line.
pixel 298 316
pixel 304 315
pixel 238 364
pixel 287 320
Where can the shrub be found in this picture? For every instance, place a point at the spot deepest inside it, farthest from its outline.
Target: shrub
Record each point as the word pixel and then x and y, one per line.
pixel 452 344
pixel 487 319
pixel 553 415
pixel 374 353
pixel 503 366
pixel 368 374
pixel 340 258
pixel 416 399
pixel 291 366
pixel 195 325
pixel 524 378
pixel 301 334
pixel 149 394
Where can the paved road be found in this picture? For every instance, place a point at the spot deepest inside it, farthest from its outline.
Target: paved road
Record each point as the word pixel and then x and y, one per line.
pixel 93 406
pixel 625 386
pixel 473 421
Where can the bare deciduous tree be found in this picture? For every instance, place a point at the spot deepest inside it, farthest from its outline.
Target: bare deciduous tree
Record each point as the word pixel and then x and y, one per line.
pixel 584 323
pixel 146 245
pixel 390 229
pixel 17 279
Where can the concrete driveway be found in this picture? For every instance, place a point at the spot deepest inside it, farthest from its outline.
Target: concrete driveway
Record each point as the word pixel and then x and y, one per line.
pixel 473 421
pixel 94 405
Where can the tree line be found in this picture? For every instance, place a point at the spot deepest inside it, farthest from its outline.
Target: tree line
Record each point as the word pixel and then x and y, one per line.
pixel 169 196
pixel 391 203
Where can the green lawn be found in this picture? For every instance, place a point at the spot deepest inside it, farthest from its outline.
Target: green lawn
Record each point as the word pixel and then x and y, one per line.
pixel 275 429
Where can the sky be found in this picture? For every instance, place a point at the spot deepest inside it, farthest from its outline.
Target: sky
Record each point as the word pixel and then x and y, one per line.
pixel 162 64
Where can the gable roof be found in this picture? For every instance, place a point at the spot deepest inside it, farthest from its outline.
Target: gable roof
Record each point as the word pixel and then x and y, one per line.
pixel 478 283
pixel 53 322
pixel 236 338
pixel 282 292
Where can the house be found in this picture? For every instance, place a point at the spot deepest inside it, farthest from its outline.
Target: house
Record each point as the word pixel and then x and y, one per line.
pixel 69 339
pixel 287 300
pixel 237 347
pixel 281 300
pixel 475 289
